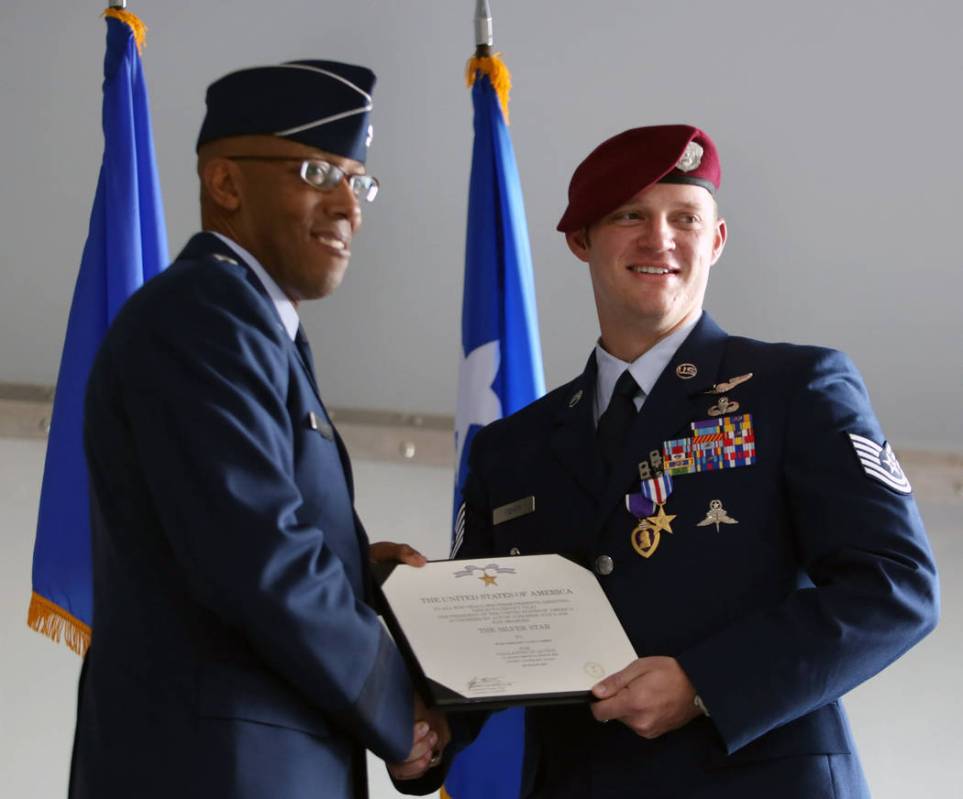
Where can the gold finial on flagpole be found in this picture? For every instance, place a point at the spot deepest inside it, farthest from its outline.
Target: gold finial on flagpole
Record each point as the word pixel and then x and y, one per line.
pixel 118 10
pixel 486 61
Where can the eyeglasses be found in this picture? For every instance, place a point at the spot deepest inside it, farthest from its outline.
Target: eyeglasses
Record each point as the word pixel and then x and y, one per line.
pixel 323 175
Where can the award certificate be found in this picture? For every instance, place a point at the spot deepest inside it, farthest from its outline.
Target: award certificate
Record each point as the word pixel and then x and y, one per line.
pixel 489 633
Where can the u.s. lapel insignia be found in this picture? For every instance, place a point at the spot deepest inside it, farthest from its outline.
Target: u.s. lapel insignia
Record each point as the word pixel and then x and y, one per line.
pixel 686 371
pixel 576 398
pixel 728 385
pixel 723 406
pixel 716 515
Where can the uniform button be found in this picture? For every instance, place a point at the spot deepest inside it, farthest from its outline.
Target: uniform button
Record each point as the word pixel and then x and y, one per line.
pixel 604 565
pixel 514 551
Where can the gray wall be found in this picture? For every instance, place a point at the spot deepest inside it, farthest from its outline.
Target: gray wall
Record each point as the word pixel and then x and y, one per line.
pixel 838 125
pixel 907 721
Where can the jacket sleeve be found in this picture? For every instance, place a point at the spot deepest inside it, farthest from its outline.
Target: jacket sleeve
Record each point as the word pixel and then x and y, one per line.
pixel 867 591
pixel 204 391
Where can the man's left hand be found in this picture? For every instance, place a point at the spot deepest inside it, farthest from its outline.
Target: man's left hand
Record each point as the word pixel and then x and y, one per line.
pixel 651 696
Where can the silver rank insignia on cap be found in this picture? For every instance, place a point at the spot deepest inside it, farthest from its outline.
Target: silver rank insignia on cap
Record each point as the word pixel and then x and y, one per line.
pixel 691 158
pixel 879 462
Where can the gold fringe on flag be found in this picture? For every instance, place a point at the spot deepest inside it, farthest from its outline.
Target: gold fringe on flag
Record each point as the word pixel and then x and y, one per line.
pixel 53 621
pixel 498 74
pixel 133 22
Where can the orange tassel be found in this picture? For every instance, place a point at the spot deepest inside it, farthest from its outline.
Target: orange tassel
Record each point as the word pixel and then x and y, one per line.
pixel 498 74
pixel 53 621
pixel 133 22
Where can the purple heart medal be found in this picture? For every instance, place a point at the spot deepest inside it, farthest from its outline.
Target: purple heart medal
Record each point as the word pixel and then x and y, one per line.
pixel 653 494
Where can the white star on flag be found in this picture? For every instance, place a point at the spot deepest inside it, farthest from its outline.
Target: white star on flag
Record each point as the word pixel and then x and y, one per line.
pixel 477 401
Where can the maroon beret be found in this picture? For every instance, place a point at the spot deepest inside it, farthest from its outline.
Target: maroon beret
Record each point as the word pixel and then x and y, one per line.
pixel 621 167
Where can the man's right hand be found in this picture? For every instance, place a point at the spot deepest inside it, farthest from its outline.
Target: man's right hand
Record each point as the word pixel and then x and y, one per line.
pixel 431 736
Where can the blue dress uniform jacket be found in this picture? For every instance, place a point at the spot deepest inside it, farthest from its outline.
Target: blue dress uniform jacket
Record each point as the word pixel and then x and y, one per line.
pixel 825 577
pixel 234 651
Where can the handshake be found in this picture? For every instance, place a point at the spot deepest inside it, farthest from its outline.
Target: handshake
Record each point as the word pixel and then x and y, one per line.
pixel 431 733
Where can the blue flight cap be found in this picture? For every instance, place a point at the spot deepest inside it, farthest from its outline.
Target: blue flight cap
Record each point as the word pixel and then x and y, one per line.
pixel 323 104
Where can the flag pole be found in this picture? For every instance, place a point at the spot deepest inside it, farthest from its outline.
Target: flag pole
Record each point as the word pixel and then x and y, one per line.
pixel 483 28
pixel 501 365
pixel 118 4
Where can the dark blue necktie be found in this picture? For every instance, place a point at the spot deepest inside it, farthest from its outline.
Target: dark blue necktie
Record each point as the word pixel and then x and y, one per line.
pixel 614 424
pixel 304 350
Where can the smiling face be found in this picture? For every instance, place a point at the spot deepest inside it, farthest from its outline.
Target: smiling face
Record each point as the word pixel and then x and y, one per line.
pixel 301 235
pixel 649 260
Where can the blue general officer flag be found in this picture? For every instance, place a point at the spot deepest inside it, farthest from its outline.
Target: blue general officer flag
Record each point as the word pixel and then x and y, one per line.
pixel 126 245
pixel 501 369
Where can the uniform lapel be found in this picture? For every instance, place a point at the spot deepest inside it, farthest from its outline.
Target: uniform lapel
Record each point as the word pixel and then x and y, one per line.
pixel 207 244
pixel 669 409
pixel 573 440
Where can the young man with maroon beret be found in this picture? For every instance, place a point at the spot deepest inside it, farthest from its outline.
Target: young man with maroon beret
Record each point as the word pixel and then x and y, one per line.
pixel 737 500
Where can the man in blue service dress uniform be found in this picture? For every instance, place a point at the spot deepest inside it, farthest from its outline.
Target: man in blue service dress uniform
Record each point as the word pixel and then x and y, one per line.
pixel 235 651
pixel 737 499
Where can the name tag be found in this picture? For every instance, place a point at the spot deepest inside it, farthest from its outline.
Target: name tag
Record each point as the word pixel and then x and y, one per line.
pixel 318 423
pixel 513 510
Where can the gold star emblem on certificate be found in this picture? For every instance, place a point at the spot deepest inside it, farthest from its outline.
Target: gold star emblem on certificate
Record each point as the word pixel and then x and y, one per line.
pixel 661 520
pixel 488 579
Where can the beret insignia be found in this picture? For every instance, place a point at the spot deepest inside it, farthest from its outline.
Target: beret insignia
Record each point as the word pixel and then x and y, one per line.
pixel 691 158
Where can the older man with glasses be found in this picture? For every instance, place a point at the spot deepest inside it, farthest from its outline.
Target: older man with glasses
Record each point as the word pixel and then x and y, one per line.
pixel 237 653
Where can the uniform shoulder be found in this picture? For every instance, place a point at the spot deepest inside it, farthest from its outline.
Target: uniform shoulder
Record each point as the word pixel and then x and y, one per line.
pixel 193 289
pixel 536 415
pixel 784 357
pixel 198 305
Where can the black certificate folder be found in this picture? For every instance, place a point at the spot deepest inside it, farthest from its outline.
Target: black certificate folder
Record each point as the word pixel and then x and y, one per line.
pixel 491 633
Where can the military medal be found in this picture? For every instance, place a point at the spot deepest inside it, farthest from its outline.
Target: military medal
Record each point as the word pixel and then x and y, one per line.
pixel 644 539
pixel 717 515
pixel 653 494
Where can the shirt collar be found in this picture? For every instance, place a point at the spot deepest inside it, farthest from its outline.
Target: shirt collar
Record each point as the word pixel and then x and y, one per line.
pixel 645 369
pixel 286 310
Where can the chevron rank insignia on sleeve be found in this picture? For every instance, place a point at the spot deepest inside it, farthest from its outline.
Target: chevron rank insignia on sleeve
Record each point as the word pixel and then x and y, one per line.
pixel 879 462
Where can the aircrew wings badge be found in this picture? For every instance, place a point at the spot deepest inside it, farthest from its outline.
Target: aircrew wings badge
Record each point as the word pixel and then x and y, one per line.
pixel 879 462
